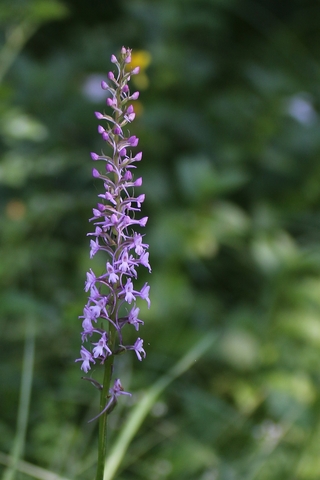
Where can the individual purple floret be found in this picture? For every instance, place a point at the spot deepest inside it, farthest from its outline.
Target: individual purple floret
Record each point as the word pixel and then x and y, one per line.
pixel 113 293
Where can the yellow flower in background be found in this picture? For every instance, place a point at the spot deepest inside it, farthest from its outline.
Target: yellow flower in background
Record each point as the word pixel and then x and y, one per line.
pixel 138 108
pixel 142 59
pixel 15 210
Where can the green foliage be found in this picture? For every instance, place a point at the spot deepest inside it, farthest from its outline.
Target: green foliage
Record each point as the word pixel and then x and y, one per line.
pixel 229 127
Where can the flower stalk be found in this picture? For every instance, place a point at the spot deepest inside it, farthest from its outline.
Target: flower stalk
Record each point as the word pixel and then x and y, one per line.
pixel 112 300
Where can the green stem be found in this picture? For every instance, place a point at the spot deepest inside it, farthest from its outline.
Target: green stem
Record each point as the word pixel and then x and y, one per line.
pixel 103 419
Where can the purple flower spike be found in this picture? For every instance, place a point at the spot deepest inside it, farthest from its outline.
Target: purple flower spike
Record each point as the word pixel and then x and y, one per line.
pixel 113 294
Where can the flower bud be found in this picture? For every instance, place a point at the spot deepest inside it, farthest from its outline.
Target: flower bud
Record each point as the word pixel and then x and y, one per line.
pixel 127 176
pixel 133 141
pixel 138 182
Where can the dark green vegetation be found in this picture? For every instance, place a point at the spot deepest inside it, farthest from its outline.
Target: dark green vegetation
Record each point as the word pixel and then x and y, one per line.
pixel 231 138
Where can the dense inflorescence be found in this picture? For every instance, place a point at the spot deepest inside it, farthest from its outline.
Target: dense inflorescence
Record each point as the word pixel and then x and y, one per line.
pixel 112 295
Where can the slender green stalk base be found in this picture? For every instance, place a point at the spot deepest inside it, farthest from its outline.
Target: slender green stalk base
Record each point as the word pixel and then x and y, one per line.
pixel 103 419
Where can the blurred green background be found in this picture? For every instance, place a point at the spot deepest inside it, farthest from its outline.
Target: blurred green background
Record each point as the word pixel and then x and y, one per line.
pixel 229 126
